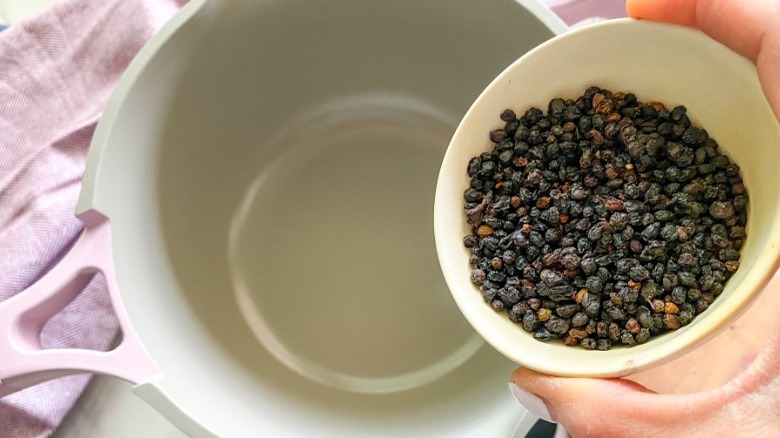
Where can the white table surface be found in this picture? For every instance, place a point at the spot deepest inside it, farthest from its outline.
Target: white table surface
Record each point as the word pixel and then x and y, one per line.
pixel 12 11
pixel 108 408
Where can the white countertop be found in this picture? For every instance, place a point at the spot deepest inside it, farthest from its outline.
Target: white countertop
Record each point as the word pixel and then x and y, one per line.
pixel 12 11
pixel 108 408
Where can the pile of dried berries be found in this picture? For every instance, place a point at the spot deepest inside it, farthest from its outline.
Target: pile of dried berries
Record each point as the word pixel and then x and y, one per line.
pixel 606 220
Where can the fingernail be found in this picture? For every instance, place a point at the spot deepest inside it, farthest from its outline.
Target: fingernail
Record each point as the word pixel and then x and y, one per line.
pixel 533 403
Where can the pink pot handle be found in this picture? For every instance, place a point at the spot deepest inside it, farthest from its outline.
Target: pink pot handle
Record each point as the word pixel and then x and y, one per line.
pixel 24 363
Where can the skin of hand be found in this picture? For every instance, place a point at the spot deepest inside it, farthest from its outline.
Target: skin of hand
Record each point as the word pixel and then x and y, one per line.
pixel 731 385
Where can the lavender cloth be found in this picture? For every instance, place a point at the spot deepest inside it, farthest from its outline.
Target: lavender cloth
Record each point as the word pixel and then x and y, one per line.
pixel 574 11
pixel 56 73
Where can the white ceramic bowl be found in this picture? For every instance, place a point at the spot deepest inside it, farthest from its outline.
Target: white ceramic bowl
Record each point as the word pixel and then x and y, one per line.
pixel 657 62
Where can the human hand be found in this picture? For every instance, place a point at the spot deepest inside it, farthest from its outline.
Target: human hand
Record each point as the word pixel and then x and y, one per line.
pixel 718 389
pixel 748 27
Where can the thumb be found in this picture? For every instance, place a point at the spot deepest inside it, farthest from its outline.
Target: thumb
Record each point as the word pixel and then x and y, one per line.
pixel 748 27
pixel 610 407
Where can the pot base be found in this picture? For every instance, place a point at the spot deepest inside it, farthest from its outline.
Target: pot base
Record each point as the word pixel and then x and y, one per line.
pixel 334 232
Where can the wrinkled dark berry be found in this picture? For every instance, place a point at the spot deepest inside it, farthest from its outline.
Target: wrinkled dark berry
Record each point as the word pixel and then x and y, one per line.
pixel 530 320
pixel 663 215
pixel 497 135
pixel 671 322
pixel 614 332
pixel 591 304
pixel 578 334
pixel 552 278
pixel 557 325
pixel 694 136
pixel 687 278
pixel 614 205
pixel 588 343
pixel 603 344
pixel 560 293
pixel 639 273
pixel 477 276
pixel 643 336
pixel 509 296
pixel 508 115
pixel 721 210
pixel 543 335
pixel 517 311
pixel 579 319
pixel 685 317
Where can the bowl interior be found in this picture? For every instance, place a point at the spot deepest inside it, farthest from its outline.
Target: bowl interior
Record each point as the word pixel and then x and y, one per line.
pixel 281 181
pixel 673 65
